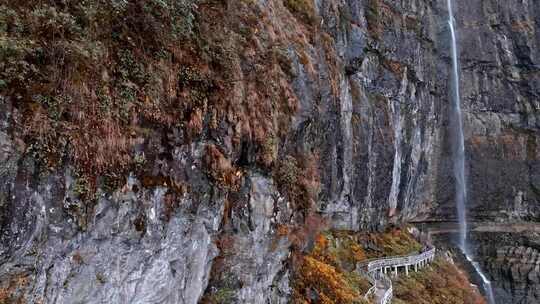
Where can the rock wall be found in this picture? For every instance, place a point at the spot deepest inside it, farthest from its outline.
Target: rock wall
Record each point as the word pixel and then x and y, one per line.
pixel 500 61
pixel 370 83
pixel 511 261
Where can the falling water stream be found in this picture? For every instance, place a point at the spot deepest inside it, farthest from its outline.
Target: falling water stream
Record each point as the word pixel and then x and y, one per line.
pixel 459 160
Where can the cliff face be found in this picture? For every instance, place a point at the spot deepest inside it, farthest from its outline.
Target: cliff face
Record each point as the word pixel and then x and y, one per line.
pixel 511 261
pixel 500 76
pixel 185 148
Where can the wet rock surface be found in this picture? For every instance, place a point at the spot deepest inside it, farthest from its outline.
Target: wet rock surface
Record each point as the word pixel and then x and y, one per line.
pixel 500 62
pixel 512 263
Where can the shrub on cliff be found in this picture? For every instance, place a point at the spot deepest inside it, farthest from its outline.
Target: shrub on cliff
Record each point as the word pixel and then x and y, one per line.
pixel 320 278
pixel 441 283
pixel 84 73
pixel 303 9
pixel 95 82
pixel 299 179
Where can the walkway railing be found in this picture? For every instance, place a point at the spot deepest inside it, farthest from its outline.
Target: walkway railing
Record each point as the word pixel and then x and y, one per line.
pixel 376 271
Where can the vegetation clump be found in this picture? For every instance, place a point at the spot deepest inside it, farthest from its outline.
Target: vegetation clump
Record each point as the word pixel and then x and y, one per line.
pixel 441 283
pixel 303 9
pixel 221 169
pixel 324 276
pixel 393 242
pixel 11 289
pixel 85 74
pixel 299 178
pixel 95 81
pixel 334 257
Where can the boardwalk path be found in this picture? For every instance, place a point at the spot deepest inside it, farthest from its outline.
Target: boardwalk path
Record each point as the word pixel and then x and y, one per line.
pixel 378 270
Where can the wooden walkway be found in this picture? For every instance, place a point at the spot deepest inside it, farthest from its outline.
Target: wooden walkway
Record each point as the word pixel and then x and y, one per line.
pixel 378 272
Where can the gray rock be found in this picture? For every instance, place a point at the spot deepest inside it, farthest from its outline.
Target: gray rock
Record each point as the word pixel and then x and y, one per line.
pixel 373 104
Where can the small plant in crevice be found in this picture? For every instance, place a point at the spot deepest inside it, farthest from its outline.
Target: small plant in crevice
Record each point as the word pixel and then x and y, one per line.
pixel 299 179
pixel 222 287
pixel 269 151
pixel 81 187
pixel 222 295
pixel 288 171
pixel 220 168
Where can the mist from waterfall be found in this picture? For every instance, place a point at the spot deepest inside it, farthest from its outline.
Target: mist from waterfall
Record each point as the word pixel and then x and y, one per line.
pixel 459 158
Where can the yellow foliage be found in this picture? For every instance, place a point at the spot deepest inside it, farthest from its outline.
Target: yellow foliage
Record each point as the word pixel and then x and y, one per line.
pixel 358 252
pixel 328 270
pixel 323 271
pixel 442 283
pixel 395 242
pixel 319 249
pixel 329 283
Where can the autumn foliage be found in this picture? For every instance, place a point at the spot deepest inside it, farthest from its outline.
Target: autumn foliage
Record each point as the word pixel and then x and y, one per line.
pixel 441 283
pixel 321 276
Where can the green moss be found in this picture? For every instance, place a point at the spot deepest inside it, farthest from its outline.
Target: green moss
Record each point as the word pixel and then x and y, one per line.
pixel 222 290
pixel 373 18
pixel 288 171
pixel 54 105
pixel 139 160
pixel 45 152
pixel 270 150
pixel 81 187
pixel 100 278
pixel 223 296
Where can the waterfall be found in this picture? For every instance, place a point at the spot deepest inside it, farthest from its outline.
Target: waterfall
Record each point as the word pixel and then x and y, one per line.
pixel 459 142
pixel 459 159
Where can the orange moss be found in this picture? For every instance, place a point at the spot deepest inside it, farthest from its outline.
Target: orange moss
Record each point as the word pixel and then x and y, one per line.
pixel 164 181
pixel 358 253
pixel 321 243
pixel 282 230
pixel 195 124
pixel 10 289
pixel 220 168
pixel 395 67
pixel 523 26
pixel 302 236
